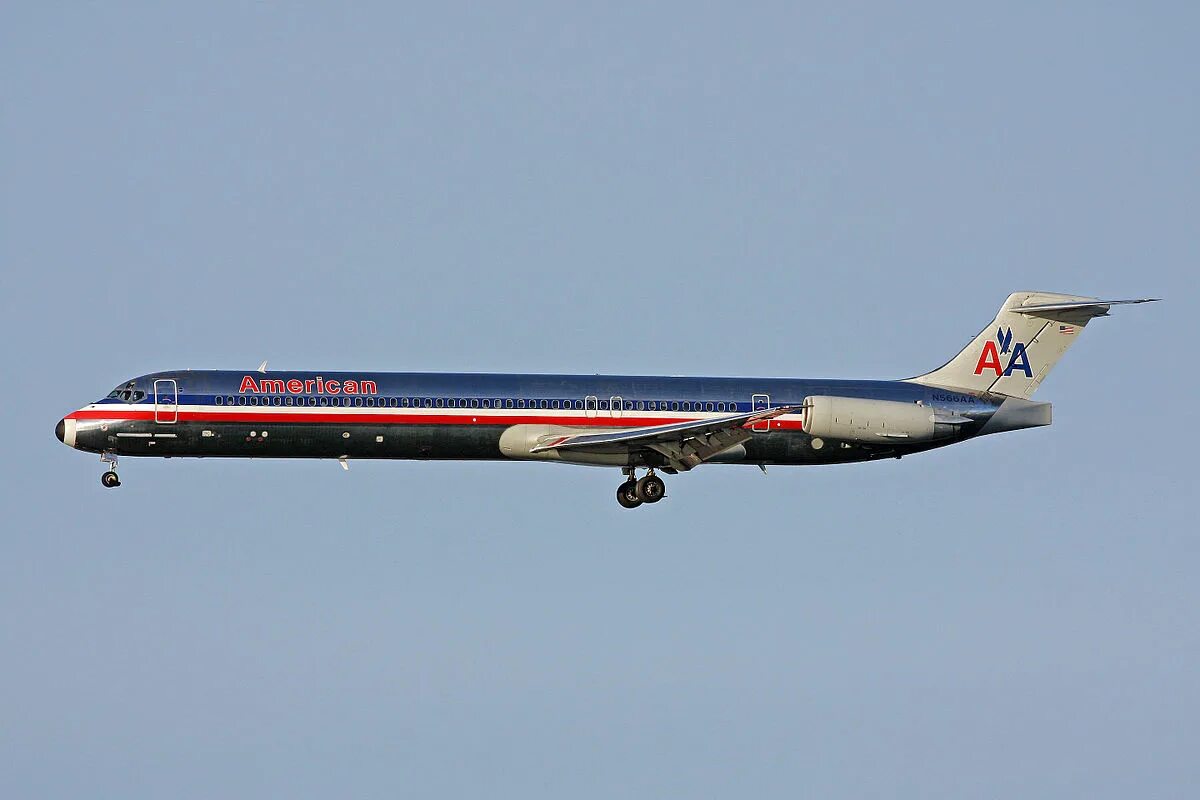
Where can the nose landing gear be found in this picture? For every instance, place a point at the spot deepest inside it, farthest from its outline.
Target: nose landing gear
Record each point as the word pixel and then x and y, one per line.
pixel 633 492
pixel 110 479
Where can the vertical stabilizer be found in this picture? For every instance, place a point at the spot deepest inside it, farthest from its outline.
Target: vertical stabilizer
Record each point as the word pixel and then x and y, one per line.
pixel 1016 351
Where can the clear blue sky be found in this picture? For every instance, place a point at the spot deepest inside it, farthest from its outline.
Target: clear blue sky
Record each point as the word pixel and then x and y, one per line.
pixel 684 189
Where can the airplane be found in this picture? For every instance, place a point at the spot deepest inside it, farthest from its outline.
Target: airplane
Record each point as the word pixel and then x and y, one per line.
pixel 651 423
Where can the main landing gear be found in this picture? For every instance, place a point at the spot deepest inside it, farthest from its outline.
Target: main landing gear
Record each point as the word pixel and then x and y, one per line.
pixel 110 479
pixel 633 492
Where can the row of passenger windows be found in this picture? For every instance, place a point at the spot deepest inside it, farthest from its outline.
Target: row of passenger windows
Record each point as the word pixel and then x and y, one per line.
pixel 461 402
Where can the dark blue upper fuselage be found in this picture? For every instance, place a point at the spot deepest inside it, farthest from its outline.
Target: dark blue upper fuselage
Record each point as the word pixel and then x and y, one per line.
pixel 203 387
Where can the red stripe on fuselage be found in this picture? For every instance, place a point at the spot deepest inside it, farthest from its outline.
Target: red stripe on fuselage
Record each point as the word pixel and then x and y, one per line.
pixel 327 417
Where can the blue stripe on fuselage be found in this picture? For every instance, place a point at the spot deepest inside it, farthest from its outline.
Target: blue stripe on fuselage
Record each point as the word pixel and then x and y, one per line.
pixel 201 387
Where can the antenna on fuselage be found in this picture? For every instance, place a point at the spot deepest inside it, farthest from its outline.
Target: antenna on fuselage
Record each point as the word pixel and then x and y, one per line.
pixel 262 367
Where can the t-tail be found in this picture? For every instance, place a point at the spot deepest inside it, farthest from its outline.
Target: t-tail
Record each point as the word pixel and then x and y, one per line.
pixel 1017 350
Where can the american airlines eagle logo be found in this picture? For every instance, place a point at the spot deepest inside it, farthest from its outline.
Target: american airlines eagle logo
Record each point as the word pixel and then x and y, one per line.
pixel 1003 345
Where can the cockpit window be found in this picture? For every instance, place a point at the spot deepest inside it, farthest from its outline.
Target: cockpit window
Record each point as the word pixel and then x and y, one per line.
pixel 127 393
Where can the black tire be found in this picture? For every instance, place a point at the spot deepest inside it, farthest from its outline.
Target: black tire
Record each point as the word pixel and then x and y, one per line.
pixel 627 495
pixel 651 489
pixel 110 480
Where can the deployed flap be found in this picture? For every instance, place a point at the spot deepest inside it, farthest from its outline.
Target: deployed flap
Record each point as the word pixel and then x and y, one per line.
pixel 671 431
pixel 684 444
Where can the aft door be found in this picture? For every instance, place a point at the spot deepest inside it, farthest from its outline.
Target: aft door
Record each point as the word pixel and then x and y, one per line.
pixel 761 402
pixel 166 401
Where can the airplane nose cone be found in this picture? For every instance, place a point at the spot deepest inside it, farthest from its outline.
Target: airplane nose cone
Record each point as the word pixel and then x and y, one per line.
pixel 60 430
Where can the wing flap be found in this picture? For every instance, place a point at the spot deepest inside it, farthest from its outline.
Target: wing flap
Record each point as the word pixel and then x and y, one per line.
pixel 684 443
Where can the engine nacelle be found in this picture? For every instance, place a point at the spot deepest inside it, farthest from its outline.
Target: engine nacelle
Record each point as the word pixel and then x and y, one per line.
pixel 852 419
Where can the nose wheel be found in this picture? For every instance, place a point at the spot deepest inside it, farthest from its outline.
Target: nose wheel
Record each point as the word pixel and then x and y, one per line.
pixel 110 479
pixel 634 491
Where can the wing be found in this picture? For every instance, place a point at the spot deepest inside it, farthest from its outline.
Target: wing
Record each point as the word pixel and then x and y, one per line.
pixel 683 444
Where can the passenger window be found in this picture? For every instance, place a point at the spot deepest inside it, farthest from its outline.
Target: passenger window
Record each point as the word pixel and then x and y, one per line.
pixel 521 403
pixel 441 402
pixel 474 402
pixel 543 403
pixel 404 402
pixel 277 400
pixel 604 405
pixel 578 405
pixel 487 403
pixel 554 404
pixel 508 403
pixel 324 401
pixel 674 405
pixel 710 407
pixel 220 400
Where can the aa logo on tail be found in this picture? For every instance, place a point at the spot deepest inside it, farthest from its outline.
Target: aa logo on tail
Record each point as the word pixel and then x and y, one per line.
pixel 1018 358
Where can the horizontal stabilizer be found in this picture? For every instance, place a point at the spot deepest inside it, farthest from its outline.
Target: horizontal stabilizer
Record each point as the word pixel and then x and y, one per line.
pixel 1097 308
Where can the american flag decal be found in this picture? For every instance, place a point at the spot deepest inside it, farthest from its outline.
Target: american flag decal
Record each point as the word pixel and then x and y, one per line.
pixel 1067 329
